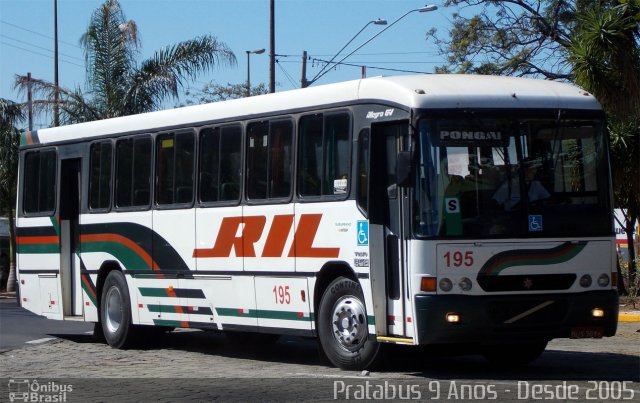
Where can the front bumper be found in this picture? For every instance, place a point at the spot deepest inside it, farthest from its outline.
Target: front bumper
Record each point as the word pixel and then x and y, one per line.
pixel 507 318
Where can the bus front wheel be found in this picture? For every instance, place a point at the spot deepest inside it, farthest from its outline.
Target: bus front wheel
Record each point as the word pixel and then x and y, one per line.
pixel 115 311
pixel 343 327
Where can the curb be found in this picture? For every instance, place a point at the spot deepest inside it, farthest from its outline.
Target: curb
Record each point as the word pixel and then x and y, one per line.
pixel 628 317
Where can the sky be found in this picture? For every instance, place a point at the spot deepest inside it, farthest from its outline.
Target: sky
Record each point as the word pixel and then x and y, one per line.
pixel 321 27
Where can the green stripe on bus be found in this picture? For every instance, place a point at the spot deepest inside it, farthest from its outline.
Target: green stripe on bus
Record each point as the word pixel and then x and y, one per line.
pixel 38 248
pixel 128 257
pixel 169 323
pixel 263 314
pixel 153 292
pixel 282 315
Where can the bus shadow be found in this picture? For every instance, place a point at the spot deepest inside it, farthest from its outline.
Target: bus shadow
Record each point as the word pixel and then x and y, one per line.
pixel 431 363
pixel 558 365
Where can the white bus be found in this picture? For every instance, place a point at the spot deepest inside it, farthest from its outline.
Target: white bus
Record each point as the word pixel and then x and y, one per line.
pixel 431 209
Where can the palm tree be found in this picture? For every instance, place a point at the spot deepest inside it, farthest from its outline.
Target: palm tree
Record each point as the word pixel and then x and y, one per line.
pixel 605 58
pixel 117 85
pixel 10 115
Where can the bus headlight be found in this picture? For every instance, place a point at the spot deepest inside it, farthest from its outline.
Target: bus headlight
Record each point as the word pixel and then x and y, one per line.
pixel 465 284
pixel 603 280
pixel 452 317
pixel 446 285
pixel 585 281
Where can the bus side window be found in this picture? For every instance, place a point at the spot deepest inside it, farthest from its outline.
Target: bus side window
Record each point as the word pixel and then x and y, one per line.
pixel 310 156
pixel 269 154
pixel 100 175
pixel 133 172
pixel 174 169
pixel 257 160
pixel 230 162
pixel 324 155
pixel 220 150
pixel 280 159
pixel 209 164
pixel 39 193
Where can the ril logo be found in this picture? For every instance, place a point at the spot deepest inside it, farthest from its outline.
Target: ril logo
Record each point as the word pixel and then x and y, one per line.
pixel 243 242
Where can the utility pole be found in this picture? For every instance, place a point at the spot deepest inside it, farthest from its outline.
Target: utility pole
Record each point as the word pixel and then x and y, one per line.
pixel 272 48
pixel 29 101
pixel 303 81
pixel 56 95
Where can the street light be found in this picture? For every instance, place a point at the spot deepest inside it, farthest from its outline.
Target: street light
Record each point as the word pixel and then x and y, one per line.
pixel 249 52
pixel 379 21
pixel 424 9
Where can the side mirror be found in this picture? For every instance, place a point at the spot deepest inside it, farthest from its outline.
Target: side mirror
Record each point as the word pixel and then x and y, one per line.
pixel 404 169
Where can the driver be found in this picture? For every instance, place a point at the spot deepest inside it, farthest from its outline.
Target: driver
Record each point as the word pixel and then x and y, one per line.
pixel 508 194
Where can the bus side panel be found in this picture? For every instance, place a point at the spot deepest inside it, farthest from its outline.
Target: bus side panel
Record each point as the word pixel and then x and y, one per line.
pixel 124 238
pixel 91 259
pixel 38 254
pixel 334 233
pixel 283 303
pixel 158 301
pixel 174 239
pixel 231 301
pixel 213 249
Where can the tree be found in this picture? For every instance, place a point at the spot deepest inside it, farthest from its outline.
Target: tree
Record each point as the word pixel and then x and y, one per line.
pixel 605 59
pixel 116 84
pixel 594 43
pixel 214 92
pixel 10 115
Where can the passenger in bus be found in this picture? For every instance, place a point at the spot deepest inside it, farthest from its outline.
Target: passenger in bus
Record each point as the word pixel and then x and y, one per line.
pixel 508 195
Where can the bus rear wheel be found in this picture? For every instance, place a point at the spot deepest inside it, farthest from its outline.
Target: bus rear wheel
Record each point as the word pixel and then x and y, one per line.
pixel 115 312
pixel 343 327
pixel 514 355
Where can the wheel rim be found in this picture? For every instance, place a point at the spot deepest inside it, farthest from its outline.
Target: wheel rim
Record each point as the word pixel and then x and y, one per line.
pixel 349 323
pixel 113 309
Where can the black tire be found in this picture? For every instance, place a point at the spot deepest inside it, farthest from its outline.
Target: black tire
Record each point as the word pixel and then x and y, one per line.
pixel 343 328
pixel 115 312
pixel 514 355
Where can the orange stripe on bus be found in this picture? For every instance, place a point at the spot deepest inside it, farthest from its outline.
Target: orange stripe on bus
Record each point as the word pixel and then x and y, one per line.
pixel 124 241
pixel 37 239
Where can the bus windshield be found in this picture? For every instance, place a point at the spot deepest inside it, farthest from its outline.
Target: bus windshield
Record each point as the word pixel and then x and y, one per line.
pixel 510 177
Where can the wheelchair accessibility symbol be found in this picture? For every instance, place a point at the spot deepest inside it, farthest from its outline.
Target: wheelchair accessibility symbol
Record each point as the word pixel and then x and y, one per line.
pixel 363 233
pixel 535 223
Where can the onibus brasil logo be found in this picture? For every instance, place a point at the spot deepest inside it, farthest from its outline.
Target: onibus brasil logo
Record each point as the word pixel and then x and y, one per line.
pixel 25 390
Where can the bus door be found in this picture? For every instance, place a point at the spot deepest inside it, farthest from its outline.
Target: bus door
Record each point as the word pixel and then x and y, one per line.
pixel 70 186
pixel 387 205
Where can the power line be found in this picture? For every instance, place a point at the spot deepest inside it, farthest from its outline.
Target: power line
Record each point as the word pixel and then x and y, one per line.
pixel 389 54
pixel 39 34
pixel 40 47
pixel 39 54
pixel 291 79
pixel 374 67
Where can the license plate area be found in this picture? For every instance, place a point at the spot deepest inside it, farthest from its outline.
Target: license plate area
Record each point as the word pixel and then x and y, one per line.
pixel 587 332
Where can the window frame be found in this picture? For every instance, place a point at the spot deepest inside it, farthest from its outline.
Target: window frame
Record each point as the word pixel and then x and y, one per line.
pixel 155 171
pixel 39 213
pixel 220 127
pixel 95 210
pixel 350 141
pixel 270 121
pixel 147 206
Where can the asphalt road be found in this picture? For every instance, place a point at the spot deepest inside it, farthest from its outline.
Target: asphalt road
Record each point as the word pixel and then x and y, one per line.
pixel 19 326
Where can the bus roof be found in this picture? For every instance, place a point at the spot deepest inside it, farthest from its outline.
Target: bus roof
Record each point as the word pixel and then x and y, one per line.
pixel 437 91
